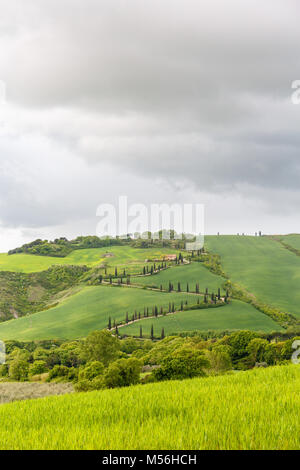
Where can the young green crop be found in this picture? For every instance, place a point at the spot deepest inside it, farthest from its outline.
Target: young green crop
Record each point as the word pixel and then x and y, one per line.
pixel 258 409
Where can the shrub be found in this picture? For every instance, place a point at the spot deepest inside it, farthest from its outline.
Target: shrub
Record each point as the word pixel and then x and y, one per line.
pixel 182 363
pixel 91 370
pixel 57 372
pixel 123 372
pixel 38 367
pixel 18 370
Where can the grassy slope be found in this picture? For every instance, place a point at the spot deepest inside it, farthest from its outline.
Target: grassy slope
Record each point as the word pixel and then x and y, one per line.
pixel 258 409
pixel 195 272
pixel 237 315
pixel 292 240
pixel 263 267
pixel 123 256
pixel 86 311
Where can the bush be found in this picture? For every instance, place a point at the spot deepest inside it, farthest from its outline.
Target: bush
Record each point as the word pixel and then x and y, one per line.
pixel 38 367
pixel 91 370
pixel 18 370
pixel 58 372
pixel 4 369
pixel 123 372
pixel 181 364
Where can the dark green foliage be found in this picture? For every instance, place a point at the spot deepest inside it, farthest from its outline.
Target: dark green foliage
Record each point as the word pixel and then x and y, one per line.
pixel 181 364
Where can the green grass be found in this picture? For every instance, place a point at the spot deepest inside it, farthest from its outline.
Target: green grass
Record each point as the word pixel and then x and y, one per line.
pixel 123 256
pixel 192 273
pixel 292 240
pixel 258 409
pixel 237 315
pixel 263 267
pixel 86 311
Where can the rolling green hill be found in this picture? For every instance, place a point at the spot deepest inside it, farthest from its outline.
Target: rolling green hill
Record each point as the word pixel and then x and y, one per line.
pixel 86 311
pixel 234 316
pixel 122 256
pixel 293 240
pixel 263 267
pixel 258 409
pixel 192 273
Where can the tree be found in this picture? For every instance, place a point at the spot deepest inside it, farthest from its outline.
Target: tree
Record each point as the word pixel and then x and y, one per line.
pixel 18 369
pixel 141 332
pixel 152 333
pixel 91 370
pixel 38 367
pixel 256 350
pixel 179 287
pixel 101 346
pixel 123 373
pixel 187 287
pixel 182 363
pixel 109 323
pixel 162 333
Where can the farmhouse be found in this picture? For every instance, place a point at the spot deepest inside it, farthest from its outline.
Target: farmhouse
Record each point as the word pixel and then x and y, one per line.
pixel 170 257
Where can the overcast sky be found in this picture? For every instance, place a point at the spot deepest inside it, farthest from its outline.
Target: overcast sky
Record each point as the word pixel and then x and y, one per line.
pixel 162 101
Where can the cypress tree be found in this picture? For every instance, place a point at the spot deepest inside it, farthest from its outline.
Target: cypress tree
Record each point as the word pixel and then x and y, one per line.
pixel 152 333
pixel 144 270
pixel 109 323
pixel 187 287
pixel 116 272
pixel 141 332
pixel 179 287
pixel 162 333
pixel 219 293
pixel 100 279
pixel 127 318
pixel 110 279
pixel 181 306
pixel 117 331
pixel 161 287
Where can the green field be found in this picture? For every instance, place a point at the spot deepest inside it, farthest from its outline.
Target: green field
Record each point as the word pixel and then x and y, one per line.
pixel 235 316
pixel 263 267
pixel 123 256
pixel 292 240
pixel 258 409
pixel 192 273
pixel 86 311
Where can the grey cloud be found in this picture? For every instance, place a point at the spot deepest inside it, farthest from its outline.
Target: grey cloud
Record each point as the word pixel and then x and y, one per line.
pixel 194 93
